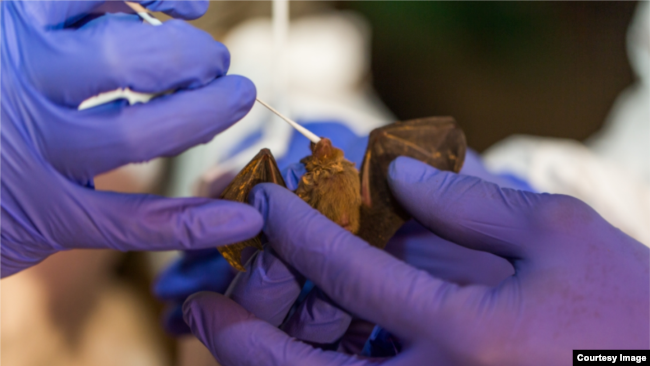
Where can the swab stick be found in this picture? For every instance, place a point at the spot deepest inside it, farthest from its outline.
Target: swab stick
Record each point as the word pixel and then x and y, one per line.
pixel 308 134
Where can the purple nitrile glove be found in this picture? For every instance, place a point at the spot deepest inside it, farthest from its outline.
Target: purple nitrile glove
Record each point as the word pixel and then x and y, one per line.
pixel 316 319
pixel 579 283
pixel 51 151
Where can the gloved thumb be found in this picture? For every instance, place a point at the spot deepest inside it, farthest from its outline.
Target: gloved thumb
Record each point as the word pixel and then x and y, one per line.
pixel 467 210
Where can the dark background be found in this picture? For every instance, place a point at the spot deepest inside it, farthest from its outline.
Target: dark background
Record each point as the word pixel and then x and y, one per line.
pixel 542 68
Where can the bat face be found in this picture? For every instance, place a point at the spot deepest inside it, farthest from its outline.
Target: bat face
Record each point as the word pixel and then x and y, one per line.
pixel 363 205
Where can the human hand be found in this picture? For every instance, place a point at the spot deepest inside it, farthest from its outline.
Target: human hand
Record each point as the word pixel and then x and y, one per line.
pixel 51 151
pixel 579 283
pixel 316 319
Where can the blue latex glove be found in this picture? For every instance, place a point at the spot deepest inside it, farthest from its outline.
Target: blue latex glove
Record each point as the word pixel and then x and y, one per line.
pixel 51 151
pixel 579 283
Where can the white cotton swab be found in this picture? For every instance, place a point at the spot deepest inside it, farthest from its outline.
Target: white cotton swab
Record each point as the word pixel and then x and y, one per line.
pixel 308 134
pixel 143 13
pixel 113 95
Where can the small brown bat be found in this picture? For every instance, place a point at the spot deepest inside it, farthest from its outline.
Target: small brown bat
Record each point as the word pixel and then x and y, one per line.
pixel 331 185
pixel 363 205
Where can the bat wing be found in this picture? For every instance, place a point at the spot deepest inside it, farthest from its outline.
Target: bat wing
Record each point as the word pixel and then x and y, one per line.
pixel 437 141
pixel 261 169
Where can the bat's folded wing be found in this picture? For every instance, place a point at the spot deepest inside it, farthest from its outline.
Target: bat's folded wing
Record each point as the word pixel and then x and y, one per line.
pixel 437 141
pixel 261 169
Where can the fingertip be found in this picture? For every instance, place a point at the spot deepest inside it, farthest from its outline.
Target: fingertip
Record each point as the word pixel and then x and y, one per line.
pixel 194 315
pixel 173 321
pixel 193 306
pixel 261 194
pixel 188 10
pixel 235 95
pixel 222 222
pixel 246 92
pixel 318 320
pixel 237 337
pixel 204 312
pixel 268 288
pixel 257 198
pixel 251 217
pixel 220 324
pixel 196 48
pixel 405 170
pixel 224 55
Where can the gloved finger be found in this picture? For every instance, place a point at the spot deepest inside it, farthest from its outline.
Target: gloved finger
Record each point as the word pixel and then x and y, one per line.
pixel 317 320
pixel 58 14
pixel 146 222
pixel 364 280
pixel 51 14
pixel 178 9
pixel 196 270
pixel 119 51
pixel 163 127
pixel 422 249
pixel 466 210
pixel 268 288
pixel 173 322
pixel 237 337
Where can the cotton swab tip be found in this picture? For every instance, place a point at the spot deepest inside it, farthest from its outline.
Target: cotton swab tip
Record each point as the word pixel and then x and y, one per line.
pixel 143 13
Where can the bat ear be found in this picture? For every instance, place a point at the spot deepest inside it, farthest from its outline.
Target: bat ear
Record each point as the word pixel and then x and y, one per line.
pixel 322 149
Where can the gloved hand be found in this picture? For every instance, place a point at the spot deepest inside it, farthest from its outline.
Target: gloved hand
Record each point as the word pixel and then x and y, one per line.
pixel 51 151
pixel 316 319
pixel 579 283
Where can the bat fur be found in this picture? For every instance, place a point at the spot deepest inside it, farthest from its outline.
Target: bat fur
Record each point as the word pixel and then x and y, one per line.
pixel 331 185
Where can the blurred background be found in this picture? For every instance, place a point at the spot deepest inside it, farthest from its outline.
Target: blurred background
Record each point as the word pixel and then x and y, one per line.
pixel 501 68
pixel 548 69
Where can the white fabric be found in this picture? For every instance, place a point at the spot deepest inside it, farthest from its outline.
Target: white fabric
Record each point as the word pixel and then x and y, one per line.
pixel 568 167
